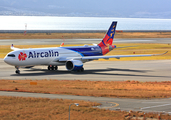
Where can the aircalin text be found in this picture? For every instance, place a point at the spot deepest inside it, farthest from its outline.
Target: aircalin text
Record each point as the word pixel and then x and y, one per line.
pixel 49 53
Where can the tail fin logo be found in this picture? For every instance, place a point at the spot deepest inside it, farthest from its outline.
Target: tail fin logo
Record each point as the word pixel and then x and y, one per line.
pixel 113 31
pixel 111 34
pixel 108 39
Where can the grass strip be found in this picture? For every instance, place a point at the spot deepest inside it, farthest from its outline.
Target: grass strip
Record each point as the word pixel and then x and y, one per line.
pixel 83 35
pixel 119 89
pixel 20 108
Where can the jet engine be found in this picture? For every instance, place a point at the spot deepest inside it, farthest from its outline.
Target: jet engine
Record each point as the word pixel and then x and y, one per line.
pixel 74 65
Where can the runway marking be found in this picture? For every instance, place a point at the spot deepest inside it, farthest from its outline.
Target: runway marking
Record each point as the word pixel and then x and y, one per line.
pixel 156 102
pixel 155 106
pixel 116 104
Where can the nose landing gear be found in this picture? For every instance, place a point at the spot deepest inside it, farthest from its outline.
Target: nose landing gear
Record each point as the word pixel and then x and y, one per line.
pixel 17 70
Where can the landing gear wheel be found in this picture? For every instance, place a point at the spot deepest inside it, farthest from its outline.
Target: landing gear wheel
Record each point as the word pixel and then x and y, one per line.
pixel 51 67
pixel 48 67
pixel 56 68
pixel 82 69
pixel 17 71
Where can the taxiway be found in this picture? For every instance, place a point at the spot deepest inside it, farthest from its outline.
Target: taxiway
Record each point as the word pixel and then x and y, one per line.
pixel 154 70
pixel 79 41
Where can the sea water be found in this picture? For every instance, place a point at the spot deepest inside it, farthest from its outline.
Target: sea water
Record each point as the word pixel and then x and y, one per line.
pixel 80 23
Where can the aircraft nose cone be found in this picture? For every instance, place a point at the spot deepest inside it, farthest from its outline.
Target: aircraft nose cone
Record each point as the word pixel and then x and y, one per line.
pixel 6 60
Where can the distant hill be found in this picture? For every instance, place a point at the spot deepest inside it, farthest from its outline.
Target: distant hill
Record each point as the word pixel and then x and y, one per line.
pixel 90 8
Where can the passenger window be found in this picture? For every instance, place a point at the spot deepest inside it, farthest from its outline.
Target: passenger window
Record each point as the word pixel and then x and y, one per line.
pixel 11 55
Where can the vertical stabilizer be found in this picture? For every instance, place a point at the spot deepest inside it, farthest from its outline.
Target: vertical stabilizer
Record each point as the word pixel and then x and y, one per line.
pixel 106 43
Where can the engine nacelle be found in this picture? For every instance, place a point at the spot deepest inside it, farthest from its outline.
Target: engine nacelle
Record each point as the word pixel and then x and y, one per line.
pixel 74 65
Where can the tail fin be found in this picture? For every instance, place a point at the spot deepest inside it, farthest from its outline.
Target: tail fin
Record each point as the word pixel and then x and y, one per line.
pixel 106 43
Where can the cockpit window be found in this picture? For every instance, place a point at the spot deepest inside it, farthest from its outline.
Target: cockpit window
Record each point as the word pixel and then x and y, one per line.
pixel 11 55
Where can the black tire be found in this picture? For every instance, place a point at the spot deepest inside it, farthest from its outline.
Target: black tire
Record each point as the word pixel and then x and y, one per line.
pixel 82 69
pixel 48 67
pixel 52 68
pixel 56 68
pixel 17 71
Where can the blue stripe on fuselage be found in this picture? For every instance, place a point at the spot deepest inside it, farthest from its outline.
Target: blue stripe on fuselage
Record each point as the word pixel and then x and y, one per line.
pixel 86 50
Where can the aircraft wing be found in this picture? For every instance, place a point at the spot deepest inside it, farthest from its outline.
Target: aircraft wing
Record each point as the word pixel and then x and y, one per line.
pixel 106 57
pixel 119 56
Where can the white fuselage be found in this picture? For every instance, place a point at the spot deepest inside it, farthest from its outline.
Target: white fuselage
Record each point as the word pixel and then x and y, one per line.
pixel 39 56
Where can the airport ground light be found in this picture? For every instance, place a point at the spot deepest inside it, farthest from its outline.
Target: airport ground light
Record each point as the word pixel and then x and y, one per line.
pixel 76 104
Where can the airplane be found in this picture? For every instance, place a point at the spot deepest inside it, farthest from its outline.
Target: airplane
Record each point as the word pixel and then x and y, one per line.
pixel 71 57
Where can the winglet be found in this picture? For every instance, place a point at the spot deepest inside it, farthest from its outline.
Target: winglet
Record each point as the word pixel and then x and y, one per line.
pixel 160 54
pixel 13 48
pixel 62 44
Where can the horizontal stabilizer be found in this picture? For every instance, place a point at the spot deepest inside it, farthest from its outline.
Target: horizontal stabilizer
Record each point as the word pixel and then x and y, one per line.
pixel 127 46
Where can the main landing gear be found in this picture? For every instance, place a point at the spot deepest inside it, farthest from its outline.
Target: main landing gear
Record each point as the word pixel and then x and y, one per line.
pixel 52 67
pixel 81 70
pixel 17 70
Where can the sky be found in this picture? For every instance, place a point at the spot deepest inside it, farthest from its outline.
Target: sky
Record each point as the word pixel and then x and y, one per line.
pixel 89 8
